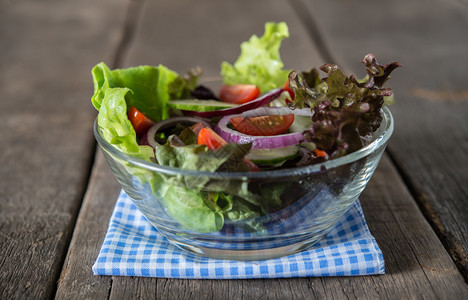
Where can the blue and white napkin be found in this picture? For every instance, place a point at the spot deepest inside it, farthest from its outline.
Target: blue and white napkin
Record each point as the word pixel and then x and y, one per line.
pixel 133 247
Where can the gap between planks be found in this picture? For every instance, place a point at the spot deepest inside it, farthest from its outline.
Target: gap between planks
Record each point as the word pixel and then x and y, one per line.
pixel 432 217
pixel 134 9
pixel 133 12
pixel 309 21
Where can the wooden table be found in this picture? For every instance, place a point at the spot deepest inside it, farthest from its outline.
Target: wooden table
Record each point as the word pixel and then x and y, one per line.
pixel 57 193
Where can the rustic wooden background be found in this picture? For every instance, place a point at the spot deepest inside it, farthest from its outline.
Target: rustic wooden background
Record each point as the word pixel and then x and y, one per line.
pixel 57 193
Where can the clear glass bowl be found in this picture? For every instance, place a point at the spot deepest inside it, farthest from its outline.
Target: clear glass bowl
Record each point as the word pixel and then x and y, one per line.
pixel 303 204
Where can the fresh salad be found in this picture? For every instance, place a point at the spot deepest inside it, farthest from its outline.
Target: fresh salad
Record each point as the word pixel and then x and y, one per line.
pixel 263 117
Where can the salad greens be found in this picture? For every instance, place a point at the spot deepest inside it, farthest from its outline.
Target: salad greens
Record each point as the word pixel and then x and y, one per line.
pixel 148 86
pixel 116 128
pixel 344 113
pixel 189 207
pixel 259 62
pixel 200 158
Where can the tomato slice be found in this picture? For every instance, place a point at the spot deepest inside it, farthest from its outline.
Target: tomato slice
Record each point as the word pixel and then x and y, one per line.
pixel 263 125
pixel 140 122
pixel 210 138
pixel 287 89
pixel 239 93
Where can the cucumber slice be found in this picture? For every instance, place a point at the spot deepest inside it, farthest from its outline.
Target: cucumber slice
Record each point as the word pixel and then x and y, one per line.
pixel 199 105
pixel 272 157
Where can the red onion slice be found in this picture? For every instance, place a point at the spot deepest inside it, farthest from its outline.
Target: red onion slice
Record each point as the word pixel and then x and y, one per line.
pixel 260 101
pixel 167 123
pixel 262 142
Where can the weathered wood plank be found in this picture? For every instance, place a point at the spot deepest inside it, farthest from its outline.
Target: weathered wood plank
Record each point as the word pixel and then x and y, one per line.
pixel 416 261
pixel 47 50
pixel 182 35
pixel 77 279
pixel 431 134
pixel 413 268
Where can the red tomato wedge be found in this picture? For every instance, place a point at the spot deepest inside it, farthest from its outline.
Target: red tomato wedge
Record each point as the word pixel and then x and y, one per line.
pixel 238 93
pixel 263 125
pixel 287 89
pixel 211 139
pixel 140 122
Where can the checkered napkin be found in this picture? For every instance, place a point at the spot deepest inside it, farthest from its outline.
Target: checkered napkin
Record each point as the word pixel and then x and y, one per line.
pixel 133 247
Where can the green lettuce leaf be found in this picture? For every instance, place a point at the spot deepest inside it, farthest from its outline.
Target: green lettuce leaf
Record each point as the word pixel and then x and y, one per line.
pixel 116 128
pixel 145 87
pixel 200 158
pixel 188 207
pixel 259 62
pixel 149 87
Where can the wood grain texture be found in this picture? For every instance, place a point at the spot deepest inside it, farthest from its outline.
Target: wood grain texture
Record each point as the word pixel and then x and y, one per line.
pixel 182 35
pixel 430 141
pixel 46 143
pixel 415 258
pixel 417 264
pixel 406 277
pixel 77 278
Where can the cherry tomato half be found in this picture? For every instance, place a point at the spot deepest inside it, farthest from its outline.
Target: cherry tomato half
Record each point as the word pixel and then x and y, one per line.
pixel 239 93
pixel 211 139
pixel 263 125
pixel 140 122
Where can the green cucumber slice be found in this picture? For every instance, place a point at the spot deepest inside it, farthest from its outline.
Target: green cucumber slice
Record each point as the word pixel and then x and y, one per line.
pixel 272 157
pixel 199 105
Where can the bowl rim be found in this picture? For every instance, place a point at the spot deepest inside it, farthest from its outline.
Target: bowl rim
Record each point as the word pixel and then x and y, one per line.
pixel 381 140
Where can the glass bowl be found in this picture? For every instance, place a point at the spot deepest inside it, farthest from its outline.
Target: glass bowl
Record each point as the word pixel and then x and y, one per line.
pixel 216 214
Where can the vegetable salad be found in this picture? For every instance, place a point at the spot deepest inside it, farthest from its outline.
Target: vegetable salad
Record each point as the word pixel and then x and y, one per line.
pixel 263 117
